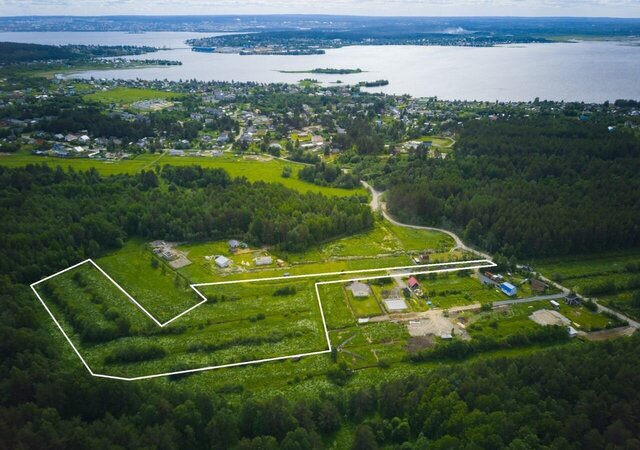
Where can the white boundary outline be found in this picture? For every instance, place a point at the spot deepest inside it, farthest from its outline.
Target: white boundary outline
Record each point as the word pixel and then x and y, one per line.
pixel 477 264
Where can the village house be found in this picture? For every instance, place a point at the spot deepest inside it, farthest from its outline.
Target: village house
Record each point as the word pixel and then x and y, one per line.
pixel 360 290
pixel 413 283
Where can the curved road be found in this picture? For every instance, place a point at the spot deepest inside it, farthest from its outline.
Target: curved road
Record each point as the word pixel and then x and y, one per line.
pixel 378 204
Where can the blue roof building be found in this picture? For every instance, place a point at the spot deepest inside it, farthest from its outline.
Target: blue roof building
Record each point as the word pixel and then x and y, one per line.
pixel 508 289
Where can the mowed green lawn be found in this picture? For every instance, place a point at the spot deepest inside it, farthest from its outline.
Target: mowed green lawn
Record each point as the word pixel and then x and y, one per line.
pixel 252 170
pixel 126 96
pixel 363 306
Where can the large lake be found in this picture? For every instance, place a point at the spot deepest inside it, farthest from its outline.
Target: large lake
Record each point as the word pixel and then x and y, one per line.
pixel 582 71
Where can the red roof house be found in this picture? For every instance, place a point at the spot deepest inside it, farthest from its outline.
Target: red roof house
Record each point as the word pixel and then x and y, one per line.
pixel 413 283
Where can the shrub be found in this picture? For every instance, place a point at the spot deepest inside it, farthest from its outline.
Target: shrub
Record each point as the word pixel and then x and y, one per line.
pixel 131 354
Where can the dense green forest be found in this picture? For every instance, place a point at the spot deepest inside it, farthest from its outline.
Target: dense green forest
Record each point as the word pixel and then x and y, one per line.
pixel 76 215
pixel 533 187
pixel 324 174
pixel 13 52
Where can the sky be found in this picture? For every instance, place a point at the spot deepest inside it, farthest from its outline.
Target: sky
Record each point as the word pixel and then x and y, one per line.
pixel 586 8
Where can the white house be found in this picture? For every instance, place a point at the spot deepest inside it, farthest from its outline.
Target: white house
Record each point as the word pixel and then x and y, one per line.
pixel 223 262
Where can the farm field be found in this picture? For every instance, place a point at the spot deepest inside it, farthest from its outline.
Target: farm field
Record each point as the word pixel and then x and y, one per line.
pixel 253 170
pixel 613 278
pixel 126 96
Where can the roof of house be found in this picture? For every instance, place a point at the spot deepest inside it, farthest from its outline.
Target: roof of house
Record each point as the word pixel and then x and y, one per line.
pixel 263 260
pixel 413 282
pixel 222 260
pixel 360 289
pixel 507 285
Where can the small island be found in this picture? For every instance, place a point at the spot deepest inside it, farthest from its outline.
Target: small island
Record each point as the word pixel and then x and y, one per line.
pixel 373 83
pixel 325 71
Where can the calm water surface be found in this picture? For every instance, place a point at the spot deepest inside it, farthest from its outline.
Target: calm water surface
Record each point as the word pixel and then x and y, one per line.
pixel 584 71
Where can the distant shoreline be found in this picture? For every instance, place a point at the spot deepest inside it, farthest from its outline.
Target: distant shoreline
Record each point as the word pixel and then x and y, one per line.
pixel 325 71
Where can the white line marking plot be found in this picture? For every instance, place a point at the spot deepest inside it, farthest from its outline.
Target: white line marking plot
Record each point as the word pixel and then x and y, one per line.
pixel 402 270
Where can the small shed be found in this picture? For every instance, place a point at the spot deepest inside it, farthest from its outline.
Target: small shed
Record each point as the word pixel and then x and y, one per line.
pixel 233 244
pixel 223 262
pixel 508 289
pixel 359 289
pixel 413 283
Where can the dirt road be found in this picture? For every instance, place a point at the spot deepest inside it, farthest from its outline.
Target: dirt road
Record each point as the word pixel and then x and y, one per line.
pixel 377 204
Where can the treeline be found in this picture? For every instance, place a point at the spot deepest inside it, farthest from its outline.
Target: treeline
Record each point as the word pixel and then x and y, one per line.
pixel 361 136
pixel 76 215
pixel 97 124
pixel 585 398
pixel 535 187
pixel 324 174
pixel 14 52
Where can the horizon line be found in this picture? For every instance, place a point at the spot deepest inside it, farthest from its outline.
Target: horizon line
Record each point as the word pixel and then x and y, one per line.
pixel 407 16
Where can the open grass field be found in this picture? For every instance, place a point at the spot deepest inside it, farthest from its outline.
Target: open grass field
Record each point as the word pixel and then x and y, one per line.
pixel 126 96
pixel 252 170
pixel 160 290
pixel 581 266
pixel 240 322
pixel 504 322
pixel 364 307
pixel 248 321
pixel 449 290
pixel 384 239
